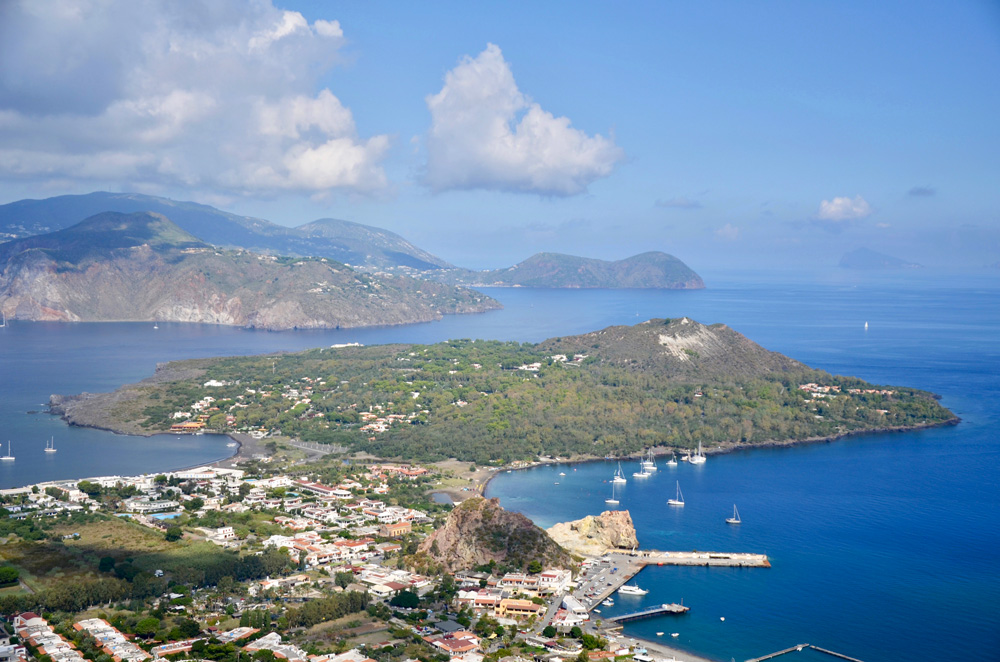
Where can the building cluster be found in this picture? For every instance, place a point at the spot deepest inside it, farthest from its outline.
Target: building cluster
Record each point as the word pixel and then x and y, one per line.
pixel 823 390
pixel 111 641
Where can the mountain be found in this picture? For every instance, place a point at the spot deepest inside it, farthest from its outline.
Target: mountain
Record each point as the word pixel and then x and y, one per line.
pixel 354 244
pixel 866 258
pixel 679 349
pixel 143 267
pixel 652 270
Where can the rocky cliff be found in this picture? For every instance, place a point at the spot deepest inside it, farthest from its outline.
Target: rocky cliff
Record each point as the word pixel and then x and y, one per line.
pixel 596 535
pixel 142 267
pixel 479 531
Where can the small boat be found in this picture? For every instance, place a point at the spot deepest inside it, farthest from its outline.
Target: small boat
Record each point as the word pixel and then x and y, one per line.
pixel 866 326
pixel 619 475
pixel 735 519
pixel 562 473
pixel 597 611
pixel 8 457
pixel 699 457
pixel 641 473
pixel 632 589
pixel 675 634
pixel 679 499
pixel 154 326
pixel 50 446
pixel 659 634
pixel 649 464
pixel 556 483
pixel 614 499
pixel 608 603
pixel 672 462
pixel 232 444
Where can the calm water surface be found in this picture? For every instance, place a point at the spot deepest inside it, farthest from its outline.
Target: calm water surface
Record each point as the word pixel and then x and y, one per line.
pixel 884 547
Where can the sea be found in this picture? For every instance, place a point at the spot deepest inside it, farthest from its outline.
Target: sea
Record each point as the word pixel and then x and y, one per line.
pixel 883 547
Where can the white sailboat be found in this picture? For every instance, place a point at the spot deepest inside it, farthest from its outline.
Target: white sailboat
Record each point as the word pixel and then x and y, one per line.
pixel 50 446
pixel 679 499
pixel 4 320
pixel 672 462
pixel 8 457
pixel 614 499
pixel 699 457
pixel 619 475
pixel 649 464
pixel 641 473
pixel 735 519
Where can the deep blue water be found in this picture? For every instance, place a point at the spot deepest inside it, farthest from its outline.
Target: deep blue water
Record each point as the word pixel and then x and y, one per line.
pixel 884 547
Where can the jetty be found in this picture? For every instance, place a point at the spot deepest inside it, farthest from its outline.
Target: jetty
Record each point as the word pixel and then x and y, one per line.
pixel 626 564
pixel 658 610
pixel 799 647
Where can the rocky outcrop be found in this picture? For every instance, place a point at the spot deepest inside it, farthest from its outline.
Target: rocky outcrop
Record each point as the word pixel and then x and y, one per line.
pixel 479 531
pixel 142 267
pixel 594 536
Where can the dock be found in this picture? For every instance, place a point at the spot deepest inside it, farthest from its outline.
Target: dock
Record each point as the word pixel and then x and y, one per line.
pixel 628 563
pixel 799 647
pixel 659 610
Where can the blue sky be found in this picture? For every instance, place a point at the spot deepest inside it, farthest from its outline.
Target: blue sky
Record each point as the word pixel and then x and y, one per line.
pixel 726 133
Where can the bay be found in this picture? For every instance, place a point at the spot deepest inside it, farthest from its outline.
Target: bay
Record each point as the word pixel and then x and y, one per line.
pixel 884 546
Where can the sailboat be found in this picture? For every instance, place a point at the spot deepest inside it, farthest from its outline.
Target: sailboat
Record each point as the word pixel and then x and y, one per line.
pixel 642 472
pixel 735 519
pixel 699 457
pixel 50 446
pixel 672 462
pixel 619 475
pixel 8 457
pixel 649 464
pixel 4 321
pixel 866 326
pixel 679 500
pixel 614 499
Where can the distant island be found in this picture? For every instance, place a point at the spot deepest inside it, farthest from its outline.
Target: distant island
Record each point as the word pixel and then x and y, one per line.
pixel 866 258
pixel 652 270
pixel 143 267
pixel 662 383
pixel 360 246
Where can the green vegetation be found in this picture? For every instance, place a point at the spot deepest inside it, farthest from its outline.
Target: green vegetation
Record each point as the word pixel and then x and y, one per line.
pixel 611 392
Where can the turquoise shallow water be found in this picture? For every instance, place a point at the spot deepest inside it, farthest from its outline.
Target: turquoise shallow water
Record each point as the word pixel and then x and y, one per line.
pixel 884 547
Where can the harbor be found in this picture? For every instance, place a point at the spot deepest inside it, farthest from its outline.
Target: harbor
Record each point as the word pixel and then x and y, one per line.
pixel 606 575
pixel 800 647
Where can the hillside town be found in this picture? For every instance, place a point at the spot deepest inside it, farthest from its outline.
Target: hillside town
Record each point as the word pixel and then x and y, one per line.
pixel 339 587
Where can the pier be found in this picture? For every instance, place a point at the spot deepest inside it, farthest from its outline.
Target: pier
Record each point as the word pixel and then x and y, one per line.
pixel 659 610
pixel 626 564
pixel 799 647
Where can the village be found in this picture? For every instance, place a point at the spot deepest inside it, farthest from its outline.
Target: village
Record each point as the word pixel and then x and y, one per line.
pixel 340 539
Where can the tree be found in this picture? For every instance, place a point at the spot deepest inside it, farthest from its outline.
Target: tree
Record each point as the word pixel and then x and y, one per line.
pixel 343 579
pixel 107 564
pixel 549 631
pixel 9 575
pixel 189 628
pixel 147 627
pixel 405 600
pixel 535 567
pixel 174 534
pixel 194 504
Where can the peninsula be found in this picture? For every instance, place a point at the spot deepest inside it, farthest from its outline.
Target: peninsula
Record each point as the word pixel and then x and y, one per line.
pixel 143 267
pixel 662 383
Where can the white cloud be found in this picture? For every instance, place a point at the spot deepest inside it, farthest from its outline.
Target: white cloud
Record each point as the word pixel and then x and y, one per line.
pixel 727 232
pixel 486 134
pixel 844 209
pixel 139 93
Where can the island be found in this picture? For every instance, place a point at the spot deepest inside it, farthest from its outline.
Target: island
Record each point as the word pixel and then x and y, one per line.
pixel 143 267
pixel 671 384
pixel 652 270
